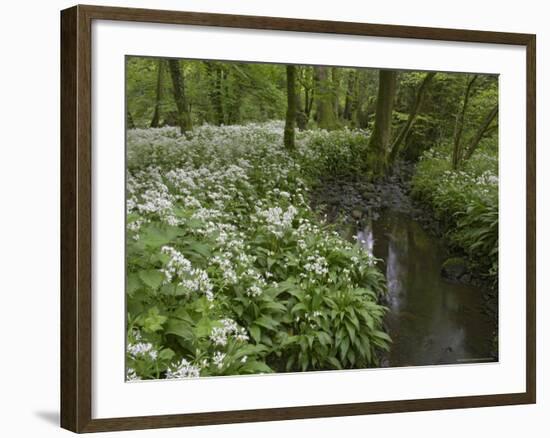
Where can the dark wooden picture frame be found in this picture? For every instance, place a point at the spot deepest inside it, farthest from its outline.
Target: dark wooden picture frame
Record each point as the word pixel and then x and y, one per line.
pixel 76 218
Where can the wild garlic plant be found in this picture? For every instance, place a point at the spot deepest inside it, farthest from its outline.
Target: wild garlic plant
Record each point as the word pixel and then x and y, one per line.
pixel 229 271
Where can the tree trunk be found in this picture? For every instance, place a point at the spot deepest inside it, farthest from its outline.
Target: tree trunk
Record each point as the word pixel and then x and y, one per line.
pixel 178 86
pixel 215 76
pixel 395 148
pixel 335 90
pixel 156 115
pixel 361 100
pixel 218 92
pixel 348 105
pixel 459 126
pixel 381 134
pixel 325 102
pixel 483 129
pixel 307 83
pixel 291 107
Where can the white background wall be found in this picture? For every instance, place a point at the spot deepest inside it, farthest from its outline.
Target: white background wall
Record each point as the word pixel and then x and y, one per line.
pixel 29 228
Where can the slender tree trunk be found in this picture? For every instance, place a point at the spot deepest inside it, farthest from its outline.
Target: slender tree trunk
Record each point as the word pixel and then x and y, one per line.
pixel 396 146
pixel 218 91
pixel 215 80
pixel 325 102
pixel 156 115
pixel 307 84
pixel 335 90
pixel 482 130
pixel 459 126
pixel 361 99
pixel 348 105
pixel 234 99
pixel 291 107
pixel 301 121
pixel 381 134
pixel 178 86
pixel 309 99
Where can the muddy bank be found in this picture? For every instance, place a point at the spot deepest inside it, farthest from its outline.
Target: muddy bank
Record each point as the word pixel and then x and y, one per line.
pixel 356 200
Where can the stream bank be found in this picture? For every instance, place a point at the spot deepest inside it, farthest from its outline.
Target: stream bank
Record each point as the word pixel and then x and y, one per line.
pixel 432 319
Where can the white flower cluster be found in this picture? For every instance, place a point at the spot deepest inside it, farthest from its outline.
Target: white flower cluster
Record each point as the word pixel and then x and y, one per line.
pixel 487 178
pixel 277 219
pixel 218 359
pixel 141 349
pixel 131 375
pixel 229 274
pixel 192 279
pixel 316 264
pixel 182 369
pixel 220 335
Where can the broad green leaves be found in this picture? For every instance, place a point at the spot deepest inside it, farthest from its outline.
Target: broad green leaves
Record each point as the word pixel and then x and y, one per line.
pixel 152 278
pixel 153 321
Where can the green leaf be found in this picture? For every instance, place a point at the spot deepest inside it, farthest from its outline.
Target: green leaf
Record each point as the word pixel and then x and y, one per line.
pixel 334 362
pixel 179 328
pixel 266 322
pixel 324 338
pixel 198 248
pixel 166 354
pixel 298 307
pixel 254 366
pixel 272 305
pixel 351 330
pixel 382 335
pixel 255 332
pixel 204 328
pixel 153 321
pixel 344 346
pixel 155 237
pixel 152 278
pixel 132 283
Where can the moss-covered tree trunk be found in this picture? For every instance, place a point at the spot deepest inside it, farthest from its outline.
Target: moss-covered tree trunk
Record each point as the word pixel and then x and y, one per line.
pixel 381 134
pixel 326 118
pixel 178 87
pixel 290 121
pixel 158 98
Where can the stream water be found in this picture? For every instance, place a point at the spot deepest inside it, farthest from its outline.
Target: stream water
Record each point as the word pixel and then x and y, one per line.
pixel 431 320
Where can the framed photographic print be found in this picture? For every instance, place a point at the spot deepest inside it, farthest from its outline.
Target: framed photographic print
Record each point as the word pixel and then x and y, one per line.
pixel 269 218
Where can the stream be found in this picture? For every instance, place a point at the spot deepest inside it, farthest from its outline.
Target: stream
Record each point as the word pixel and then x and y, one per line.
pixel 431 320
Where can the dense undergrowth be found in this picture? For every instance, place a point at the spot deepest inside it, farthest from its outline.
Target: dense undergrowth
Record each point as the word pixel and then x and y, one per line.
pixel 229 271
pixel 465 202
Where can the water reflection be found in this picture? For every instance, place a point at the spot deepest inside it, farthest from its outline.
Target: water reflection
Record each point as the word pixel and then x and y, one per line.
pixel 365 237
pixel 431 321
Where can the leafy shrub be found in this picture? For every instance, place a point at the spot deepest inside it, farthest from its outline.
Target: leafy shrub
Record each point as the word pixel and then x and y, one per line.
pixel 466 203
pixel 337 153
